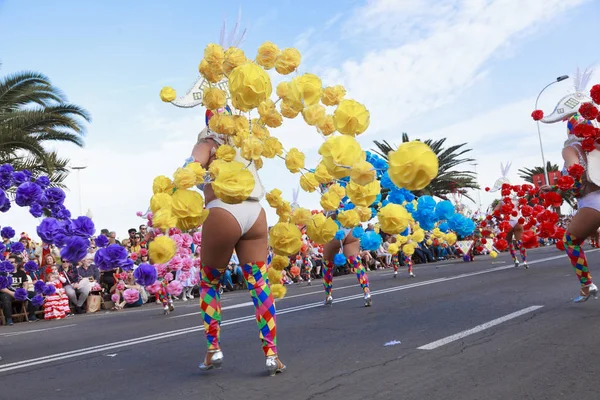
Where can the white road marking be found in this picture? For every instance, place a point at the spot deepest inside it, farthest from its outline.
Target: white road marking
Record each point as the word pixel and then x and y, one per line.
pixel 163 335
pixel 392 343
pixel 34 330
pixel 478 328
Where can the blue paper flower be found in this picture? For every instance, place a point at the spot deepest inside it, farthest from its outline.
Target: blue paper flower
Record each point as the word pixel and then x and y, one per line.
pixel 349 206
pixel 20 294
pixel 27 194
pixel 339 259
pixel 2 248
pixel 358 232
pixel 110 257
pixel 127 264
pixel 43 181
pixel 7 232
pixel 145 274
pixel 54 195
pixel 82 226
pixel 63 213
pixel 5 207
pixel 17 247
pixel 37 300
pixel 18 178
pixel 426 203
pixel 386 181
pixel 76 248
pixel 370 241
pixel 396 196
pixel 36 210
pixel 31 266
pixel 39 286
pixel 444 227
pixel 48 229
pixel 6 267
pixel 5 281
pixel 49 290
pixel 340 235
pixel 101 241
pixel 462 225
pixel 444 210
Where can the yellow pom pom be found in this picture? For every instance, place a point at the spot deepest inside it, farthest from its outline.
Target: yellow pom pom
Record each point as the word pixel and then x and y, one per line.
pixel 164 219
pixel 351 118
pixel 272 147
pixel 233 183
pixel 225 152
pixel 301 216
pixel 451 238
pixel 168 94
pixel 493 254
pixel 393 248
pixel 240 123
pixel 252 148
pixel 330 201
pixel 274 198
pixel 322 175
pixel 189 223
pixel 239 138
pixel 393 219
pixel 273 120
pixel 326 126
pixel 321 229
pixel 285 238
pixel 160 201
pixel 278 291
pixel 413 165
pixel 162 184
pixel 187 203
pixel 339 152
pixel 332 95
pixel 310 87
pixel 279 263
pixel 408 249
pixel 418 235
pixel 267 55
pixel 162 249
pixel 362 173
pixel 308 182
pixel 259 131
pixel 184 178
pixel 401 240
pixel 214 98
pixel 294 160
pixel 224 124
pixel 258 163
pixel 274 276
pixel 364 213
pixel 287 111
pixel 213 75
pixel 265 108
pixel 363 195
pixel 338 189
pixel 214 55
pixel 314 115
pixel 349 219
pixel 234 57
pixel 198 170
pixel 287 61
pixel 249 86
pixel 284 211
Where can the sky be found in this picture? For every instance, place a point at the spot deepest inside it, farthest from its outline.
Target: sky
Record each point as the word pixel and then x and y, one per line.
pixel 465 70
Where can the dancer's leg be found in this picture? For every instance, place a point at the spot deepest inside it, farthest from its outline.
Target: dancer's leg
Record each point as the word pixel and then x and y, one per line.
pixel 351 249
pixel 361 273
pixel 409 264
pixel 210 303
pixel 329 251
pixel 523 251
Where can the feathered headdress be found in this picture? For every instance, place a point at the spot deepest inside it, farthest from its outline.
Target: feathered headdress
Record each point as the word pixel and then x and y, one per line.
pixel 503 178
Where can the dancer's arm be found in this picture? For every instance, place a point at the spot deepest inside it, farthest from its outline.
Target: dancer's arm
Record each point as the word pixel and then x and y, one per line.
pixel 570 156
pixel 203 152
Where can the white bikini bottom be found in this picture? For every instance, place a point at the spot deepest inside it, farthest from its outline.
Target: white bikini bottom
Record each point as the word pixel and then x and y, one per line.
pixel 591 200
pixel 245 213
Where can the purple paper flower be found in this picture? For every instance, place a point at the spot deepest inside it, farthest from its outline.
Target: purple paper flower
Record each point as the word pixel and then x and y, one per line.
pixel 17 247
pixel 20 294
pixel 2 248
pixel 3 198
pixel 145 274
pixel 39 286
pixel 49 290
pixel 36 210
pixel 5 281
pixel 110 257
pixel 6 170
pixel 43 181
pixel 18 177
pixel 82 226
pixel 37 300
pixel 76 249
pixel 101 241
pixel 5 207
pixel 7 232
pixel 63 213
pixel 54 195
pixel 127 264
pixel 6 267
pixel 31 266
pixel 48 229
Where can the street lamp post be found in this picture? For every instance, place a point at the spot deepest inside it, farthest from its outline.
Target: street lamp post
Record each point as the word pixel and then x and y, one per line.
pixel 78 169
pixel 478 190
pixel 559 79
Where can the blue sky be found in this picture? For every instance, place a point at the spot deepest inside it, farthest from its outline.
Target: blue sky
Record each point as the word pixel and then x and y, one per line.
pixel 466 70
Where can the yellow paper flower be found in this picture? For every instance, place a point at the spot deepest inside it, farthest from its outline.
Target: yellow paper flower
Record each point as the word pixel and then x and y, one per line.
pixel 291 95
pixel 213 168
pixel 258 164
pixel 168 94
pixel 198 170
pixel 184 178
pixel 259 131
pixel 160 201
pixel 429 242
pixel 252 148
pixel 330 201
pixel 339 152
pixel 314 115
pixel 393 219
pixel 451 238
pixel 285 238
pixel 273 120
pixel 233 183
pixel 301 216
pixel 364 213
pixel 349 219
pixel 413 165
pixel 393 248
pixel 272 147
pixel 214 98
pixel 437 233
pixel 164 219
pixel 274 276
pixel 294 160
pixel 310 87
pixel 162 184
pixel 362 173
pixel 321 229
pixel 267 55
pixel 283 89
pixel 322 175
pixel 279 263
pixel 326 126
pixel 493 254
pixel 351 118
pixel 278 291
pixel 308 182
pixel 239 138
pixel 363 195
pixel 287 111
pixel 401 239
pixel 162 249
pixel 234 57
pixel 225 152
pixel 418 235
pixel 408 249
pixel 213 75
pixel 189 223
pixel 274 198
pixel 332 95
pixel 287 61
pixel 284 211
pixel 338 190
pixel 214 55
pixel 249 86
pixel 265 108
pixel 241 123
pixel 221 123
pixel 187 203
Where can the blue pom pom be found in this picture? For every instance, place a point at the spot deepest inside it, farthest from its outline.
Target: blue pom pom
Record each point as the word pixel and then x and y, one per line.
pixel 396 196
pixel 340 235
pixel 386 181
pixel 444 210
pixel 349 206
pixel 426 203
pixel 358 232
pixel 339 259
pixel 385 203
pixel 373 213
pixel 406 232
pixel 370 241
pixel 444 227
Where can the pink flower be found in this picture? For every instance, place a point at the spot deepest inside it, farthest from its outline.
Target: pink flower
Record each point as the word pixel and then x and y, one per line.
pixel 169 277
pixel 115 298
pixel 188 263
pixel 161 270
pixel 154 288
pixel 134 256
pixel 184 276
pixel 184 251
pixel 197 238
pixel 139 213
pixel 131 296
pixel 177 238
pixel 174 231
pixel 187 240
pixel 175 288
pixel 197 262
pixel 176 262
pixel 121 286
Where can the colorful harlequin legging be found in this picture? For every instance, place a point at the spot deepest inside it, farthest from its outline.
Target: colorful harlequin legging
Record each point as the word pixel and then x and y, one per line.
pixel 522 250
pixel 258 285
pixel 163 295
pixel 577 258
pixel 408 262
pixel 395 262
pixel 357 267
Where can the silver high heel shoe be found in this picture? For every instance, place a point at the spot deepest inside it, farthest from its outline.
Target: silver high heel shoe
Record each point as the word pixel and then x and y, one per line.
pixel 368 300
pixel 411 275
pixel 517 264
pixel 274 366
pixel 329 301
pixel 216 361
pixel 593 291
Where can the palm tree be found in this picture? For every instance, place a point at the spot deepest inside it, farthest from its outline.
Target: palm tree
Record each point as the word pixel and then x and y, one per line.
pixel 449 180
pixel 527 175
pixel 33 113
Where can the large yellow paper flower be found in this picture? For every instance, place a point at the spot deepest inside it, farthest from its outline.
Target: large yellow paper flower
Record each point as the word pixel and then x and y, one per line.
pixel 311 88
pixel 259 131
pixel 349 219
pixel 364 213
pixel 267 55
pixel 291 95
pixel 284 211
pixel 225 152
pixel 189 223
pixel 308 182
pixel 339 152
pixel 363 195
pixel 287 111
pixel 234 57
pixel 241 123
pixel 418 235
pixel 285 238
pixel 162 184
pixel 272 147
pixel 451 238
pixel 198 170
pixel 221 123
pixel 249 86
pixel 321 229
pixel 252 148
pixel 162 249
pixel 314 115
pixel 393 248
pixel 294 160
pixel 332 95
pixel 287 61
pixel 279 263
pixel 351 118
pixel 214 98
pixel 408 249
pixel 160 201
pixel 214 55
pixel 187 203
pixel 413 165
pixel 168 94
pixel 213 75
pixel 184 178
pixel 393 218
pixel 326 126
pixel 330 201
pixel 301 216
pixel 322 175
pixel 233 183
pixel 362 173
pixel 164 219
pixel 274 198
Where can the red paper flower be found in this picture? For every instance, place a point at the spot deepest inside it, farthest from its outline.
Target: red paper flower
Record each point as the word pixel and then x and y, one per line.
pixel 529 240
pixel 595 94
pixel 583 130
pixel 537 115
pixel 551 199
pixel 489 217
pixel 521 221
pixel 588 111
pixel 501 244
pixel 588 145
pixel 535 200
pixel 479 249
pixel 576 171
pixel 565 183
pixel 483 224
pixel 483 241
pixel 526 211
pixel 487 189
pixel 560 245
pixel 514 213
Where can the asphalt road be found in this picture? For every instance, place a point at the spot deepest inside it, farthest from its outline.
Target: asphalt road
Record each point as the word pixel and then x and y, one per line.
pixel 481 330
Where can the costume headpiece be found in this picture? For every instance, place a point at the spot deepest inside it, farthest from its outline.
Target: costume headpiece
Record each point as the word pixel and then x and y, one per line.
pixel 503 178
pixel 569 105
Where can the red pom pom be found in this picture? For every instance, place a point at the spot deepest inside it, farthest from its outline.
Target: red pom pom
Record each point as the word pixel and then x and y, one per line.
pixel 565 183
pixel 588 145
pixel 529 240
pixel 560 245
pixel 483 224
pixel 521 221
pixel 527 211
pixel 487 189
pixel 588 111
pixel 595 94
pixel 576 171
pixel 537 115
pixel 483 241
pixel 501 244
pixel 514 213
pixel 489 217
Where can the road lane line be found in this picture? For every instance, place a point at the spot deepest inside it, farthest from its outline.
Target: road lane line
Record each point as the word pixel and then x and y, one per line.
pixel 34 330
pixel 478 328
